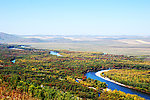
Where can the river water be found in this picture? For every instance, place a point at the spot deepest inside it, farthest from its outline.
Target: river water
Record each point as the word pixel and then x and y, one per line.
pixel 54 53
pixel 113 86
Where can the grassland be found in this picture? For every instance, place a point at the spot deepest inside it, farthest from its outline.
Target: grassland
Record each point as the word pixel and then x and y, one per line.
pixel 119 49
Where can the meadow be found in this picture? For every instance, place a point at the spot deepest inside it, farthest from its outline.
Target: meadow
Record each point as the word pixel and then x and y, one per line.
pixel 118 49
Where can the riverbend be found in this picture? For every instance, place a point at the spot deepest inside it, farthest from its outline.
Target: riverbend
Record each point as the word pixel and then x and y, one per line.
pixel 115 85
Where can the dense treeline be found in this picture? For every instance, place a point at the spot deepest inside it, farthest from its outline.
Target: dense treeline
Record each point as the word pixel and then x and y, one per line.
pixel 139 79
pixel 118 95
pixel 29 92
pixel 36 72
pixel 7 93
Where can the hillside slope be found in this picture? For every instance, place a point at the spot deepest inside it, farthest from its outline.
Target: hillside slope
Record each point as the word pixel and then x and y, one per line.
pixel 8 38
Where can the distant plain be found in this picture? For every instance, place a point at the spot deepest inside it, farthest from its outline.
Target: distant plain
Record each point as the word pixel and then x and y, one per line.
pixel 119 45
pixel 106 46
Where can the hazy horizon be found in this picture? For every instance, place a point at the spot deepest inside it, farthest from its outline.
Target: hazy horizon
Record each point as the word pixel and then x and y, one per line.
pixel 75 17
pixel 77 34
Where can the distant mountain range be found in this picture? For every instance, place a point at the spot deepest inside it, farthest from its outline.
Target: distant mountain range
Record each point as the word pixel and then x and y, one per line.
pixel 8 38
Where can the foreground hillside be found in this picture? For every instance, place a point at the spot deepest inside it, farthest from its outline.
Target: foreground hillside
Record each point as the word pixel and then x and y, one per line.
pixel 38 74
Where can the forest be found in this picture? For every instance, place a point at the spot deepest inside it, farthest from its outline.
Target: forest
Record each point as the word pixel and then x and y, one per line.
pixel 137 79
pixel 31 73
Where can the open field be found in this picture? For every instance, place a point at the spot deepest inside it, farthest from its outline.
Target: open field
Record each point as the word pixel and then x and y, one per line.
pixel 121 49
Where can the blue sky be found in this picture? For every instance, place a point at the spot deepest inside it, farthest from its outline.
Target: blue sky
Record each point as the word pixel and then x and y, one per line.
pixel 66 17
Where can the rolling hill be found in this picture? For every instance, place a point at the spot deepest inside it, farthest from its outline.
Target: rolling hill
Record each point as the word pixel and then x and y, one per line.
pixel 8 38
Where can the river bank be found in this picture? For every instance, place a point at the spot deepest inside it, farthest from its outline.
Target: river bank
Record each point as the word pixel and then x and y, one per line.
pixel 105 78
pixel 113 86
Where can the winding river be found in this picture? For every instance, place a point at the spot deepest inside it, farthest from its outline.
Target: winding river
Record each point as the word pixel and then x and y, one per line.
pixel 111 85
pixel 114 86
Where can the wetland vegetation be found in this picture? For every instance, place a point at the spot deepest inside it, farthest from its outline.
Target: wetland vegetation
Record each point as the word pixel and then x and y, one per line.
pixel 40 75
